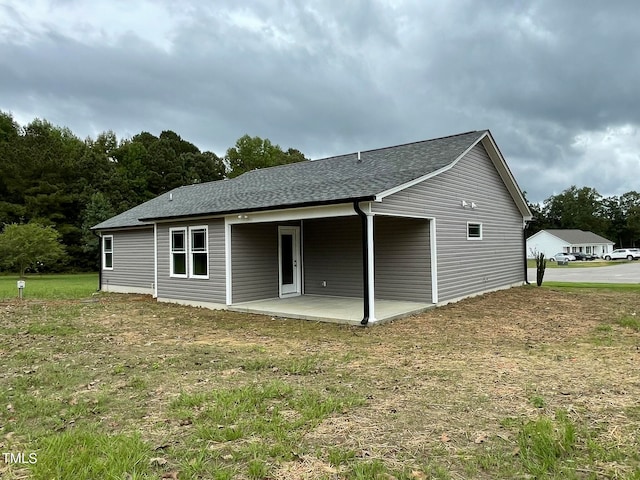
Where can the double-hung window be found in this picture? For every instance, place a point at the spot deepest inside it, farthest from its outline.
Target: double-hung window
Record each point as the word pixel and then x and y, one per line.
pixel 178 252
pixel 189 252
pixel 199 252
pixel 107 252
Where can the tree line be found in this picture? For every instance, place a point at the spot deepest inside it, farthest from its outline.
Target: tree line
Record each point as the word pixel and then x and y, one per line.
pixel 51 177
pixel 616 218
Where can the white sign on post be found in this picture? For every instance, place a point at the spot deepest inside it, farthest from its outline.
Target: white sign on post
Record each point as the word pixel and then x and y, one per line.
pixel 21 284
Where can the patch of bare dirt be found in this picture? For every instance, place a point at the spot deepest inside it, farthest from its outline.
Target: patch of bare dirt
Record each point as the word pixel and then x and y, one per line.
pixel 448 381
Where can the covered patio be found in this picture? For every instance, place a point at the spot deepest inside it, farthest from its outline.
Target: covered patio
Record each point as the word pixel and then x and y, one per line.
pixel 325 308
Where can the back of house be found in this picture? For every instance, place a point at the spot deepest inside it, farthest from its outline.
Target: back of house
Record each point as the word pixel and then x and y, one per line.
pixel 392 230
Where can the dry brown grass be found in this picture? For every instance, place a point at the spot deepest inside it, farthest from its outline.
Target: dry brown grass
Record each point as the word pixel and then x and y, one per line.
pixel 444 392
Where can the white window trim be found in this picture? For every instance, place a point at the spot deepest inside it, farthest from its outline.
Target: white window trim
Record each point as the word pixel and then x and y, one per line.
pixel 104 252
pixel 186 252
pixel 191 252
pixel 481 231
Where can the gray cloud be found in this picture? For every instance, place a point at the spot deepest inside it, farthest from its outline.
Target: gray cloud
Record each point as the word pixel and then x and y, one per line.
pixel 553 81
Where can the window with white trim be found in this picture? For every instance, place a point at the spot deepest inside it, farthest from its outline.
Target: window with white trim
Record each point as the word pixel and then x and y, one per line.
pixel 107 252
pixel 198 252
pixel 474 231
pixel 178 239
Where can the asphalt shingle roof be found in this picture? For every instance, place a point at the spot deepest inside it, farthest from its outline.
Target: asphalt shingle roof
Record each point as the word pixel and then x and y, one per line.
pixel 305 183
pixel 576 236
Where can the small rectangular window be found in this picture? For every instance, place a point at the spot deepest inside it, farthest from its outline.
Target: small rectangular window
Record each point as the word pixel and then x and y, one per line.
pixel 178 252
pixel 474 231
pixel 199 252
pixel 107 252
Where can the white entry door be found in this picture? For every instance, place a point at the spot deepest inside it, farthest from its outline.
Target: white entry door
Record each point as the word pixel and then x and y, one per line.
pixel 289 261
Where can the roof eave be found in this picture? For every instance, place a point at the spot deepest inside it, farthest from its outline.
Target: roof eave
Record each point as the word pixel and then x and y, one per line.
pixel 97 228
pixel 365 198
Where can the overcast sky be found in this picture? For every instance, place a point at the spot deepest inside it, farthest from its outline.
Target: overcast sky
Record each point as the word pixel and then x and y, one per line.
pixel 556 82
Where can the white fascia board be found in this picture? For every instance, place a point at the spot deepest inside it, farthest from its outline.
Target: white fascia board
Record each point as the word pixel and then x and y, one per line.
pixel 108 231
pixel 188 220
pixel 402 215
pixel 301 213
pixel 415 181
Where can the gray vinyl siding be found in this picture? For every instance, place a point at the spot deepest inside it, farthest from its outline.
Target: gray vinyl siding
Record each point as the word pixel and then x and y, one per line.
pixel 254 262
pixel 467 266
pixel 333 253
pixel 132 259
pixel 211 290
pixel 402 259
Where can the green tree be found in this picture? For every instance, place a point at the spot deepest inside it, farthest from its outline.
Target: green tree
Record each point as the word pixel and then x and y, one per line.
pixel 616 221
pixel 105 142
pixel 630 206
pixel 29 245
pixel 251 153
pixel 9 128
pixel 49 176
pixel 98 210
pixel 203 167
pixel 580 208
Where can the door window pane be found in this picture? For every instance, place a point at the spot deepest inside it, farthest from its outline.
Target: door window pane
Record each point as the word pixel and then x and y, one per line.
pixel 286 243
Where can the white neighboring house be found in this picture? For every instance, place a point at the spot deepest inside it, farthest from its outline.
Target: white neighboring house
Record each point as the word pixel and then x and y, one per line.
pixel 553 241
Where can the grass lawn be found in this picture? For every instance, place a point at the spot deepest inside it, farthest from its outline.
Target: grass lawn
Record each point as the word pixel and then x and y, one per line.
pixel 598 286
pixel 522 383
pixel 63 286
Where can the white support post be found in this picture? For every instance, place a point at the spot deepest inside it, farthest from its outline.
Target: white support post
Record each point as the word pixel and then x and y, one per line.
pixel 371 268
pixel 227 262
pixel 155 260
pixel 434 260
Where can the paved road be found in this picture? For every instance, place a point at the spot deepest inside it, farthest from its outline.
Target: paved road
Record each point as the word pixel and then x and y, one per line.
pixel 614 273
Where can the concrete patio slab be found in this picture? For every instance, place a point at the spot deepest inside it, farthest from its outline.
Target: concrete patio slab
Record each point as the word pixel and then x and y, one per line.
pixel 330 309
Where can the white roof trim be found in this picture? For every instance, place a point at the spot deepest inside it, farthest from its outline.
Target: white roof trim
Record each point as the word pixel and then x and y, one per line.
pixel 415 181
